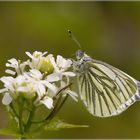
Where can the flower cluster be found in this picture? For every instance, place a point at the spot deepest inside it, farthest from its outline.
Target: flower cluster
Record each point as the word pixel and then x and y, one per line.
pixel 40 77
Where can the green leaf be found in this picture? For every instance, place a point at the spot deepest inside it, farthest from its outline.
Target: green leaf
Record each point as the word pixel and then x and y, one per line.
pixel 53 125
pixel 57 124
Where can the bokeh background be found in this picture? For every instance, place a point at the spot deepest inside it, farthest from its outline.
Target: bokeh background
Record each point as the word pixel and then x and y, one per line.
pixel 108 31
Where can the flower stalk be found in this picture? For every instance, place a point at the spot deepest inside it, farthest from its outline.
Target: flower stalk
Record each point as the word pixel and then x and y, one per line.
pixel 42 80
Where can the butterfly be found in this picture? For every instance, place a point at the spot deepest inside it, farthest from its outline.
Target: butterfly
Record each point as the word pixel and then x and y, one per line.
pixel 105 90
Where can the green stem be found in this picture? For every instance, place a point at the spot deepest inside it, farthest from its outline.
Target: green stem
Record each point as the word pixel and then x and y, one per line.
pixel 29 121
pixel 21 127
pixel 61 90
pixel 57 108
pixel 13 110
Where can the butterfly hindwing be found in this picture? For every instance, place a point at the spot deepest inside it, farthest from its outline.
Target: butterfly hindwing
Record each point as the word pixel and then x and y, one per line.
pixel 106 90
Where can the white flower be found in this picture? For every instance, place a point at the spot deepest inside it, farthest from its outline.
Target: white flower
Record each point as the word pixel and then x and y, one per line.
pixel 48 102
pixel 17 65
pixel 7 99
pixel 41 62
pixel 40 85
pixel 61 66
pixel 43 79
pixel 63 63
pixel 36 56
pixel 9 83
pixel 68 91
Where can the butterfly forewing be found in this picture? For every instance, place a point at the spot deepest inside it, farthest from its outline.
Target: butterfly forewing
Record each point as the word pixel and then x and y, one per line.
pixel 106 90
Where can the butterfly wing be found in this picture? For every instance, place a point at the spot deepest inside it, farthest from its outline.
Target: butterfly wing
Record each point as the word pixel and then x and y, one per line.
pixel 105 90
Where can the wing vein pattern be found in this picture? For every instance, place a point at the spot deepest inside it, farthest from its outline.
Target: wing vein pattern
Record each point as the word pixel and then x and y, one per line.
pixel 106 90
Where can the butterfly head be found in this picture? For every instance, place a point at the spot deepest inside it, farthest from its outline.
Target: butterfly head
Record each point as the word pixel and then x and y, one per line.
pixel 79 54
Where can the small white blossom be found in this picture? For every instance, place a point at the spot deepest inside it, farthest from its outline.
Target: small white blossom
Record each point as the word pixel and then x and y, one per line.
pixel 43 79
pixel 15 65
pixel 7 99
pixel 61 66
pixel 41 62
pixel 63 63
pixel 40 85
pixel 36 54
pixel 68 91
pixel 48 102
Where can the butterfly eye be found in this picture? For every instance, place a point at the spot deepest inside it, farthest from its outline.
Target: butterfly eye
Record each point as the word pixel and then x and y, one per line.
pixel 79 54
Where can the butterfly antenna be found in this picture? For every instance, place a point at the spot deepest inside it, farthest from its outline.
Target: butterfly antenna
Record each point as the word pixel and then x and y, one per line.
pixel 71 35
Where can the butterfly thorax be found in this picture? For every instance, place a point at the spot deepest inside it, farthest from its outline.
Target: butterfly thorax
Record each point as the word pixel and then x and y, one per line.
pixel 80 65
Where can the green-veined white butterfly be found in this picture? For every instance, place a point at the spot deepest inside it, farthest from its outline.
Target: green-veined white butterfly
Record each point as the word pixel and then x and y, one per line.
pixel 105 90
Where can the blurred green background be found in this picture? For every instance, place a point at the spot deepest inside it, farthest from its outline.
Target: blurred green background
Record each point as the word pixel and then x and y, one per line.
pixel 108 31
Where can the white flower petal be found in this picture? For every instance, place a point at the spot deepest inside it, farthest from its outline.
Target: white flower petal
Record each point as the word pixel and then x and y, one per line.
pixel 71 74
pixel 20 79
pixel 72 94
pixel 29 54
pixel 10 72
pixel 22 89
pixel 6 99
pixel 52 60
pixel 48 102
pixel 44 53
pixel 66 64
pixel 13 61
pixel 52 87
pixel 40 89
pixel 10 65
pixel 23 65
pixel 59 60
pixel 63 63
pixel 53 77
pixel 3 90
pixel 7 80
pixel 36 73
pixel 37 54
pixel 49 56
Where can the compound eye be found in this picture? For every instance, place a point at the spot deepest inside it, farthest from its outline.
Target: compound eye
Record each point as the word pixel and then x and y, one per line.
pixel 79 54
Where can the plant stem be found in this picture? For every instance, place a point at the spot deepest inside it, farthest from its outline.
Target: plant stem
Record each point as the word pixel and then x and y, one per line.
pixel 29 121
pixel 21 127
pixel 58 106
pixel 13 110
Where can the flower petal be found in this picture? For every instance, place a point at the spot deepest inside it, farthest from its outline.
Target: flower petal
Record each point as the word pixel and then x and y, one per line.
pixel 6 99
pixel 71 74
pixel 52 60
pixel 10 72
pixel 13 61
pixel 3 90
pixel 29 54
pixel 53 77
pixel 35 73
pixel 67 64
pixel 7 80
pixel 48 102
pixel 22 89
pixel 52 87
pixel 72 94
pixel 20 79
pixel 40 89
pixel 59 60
